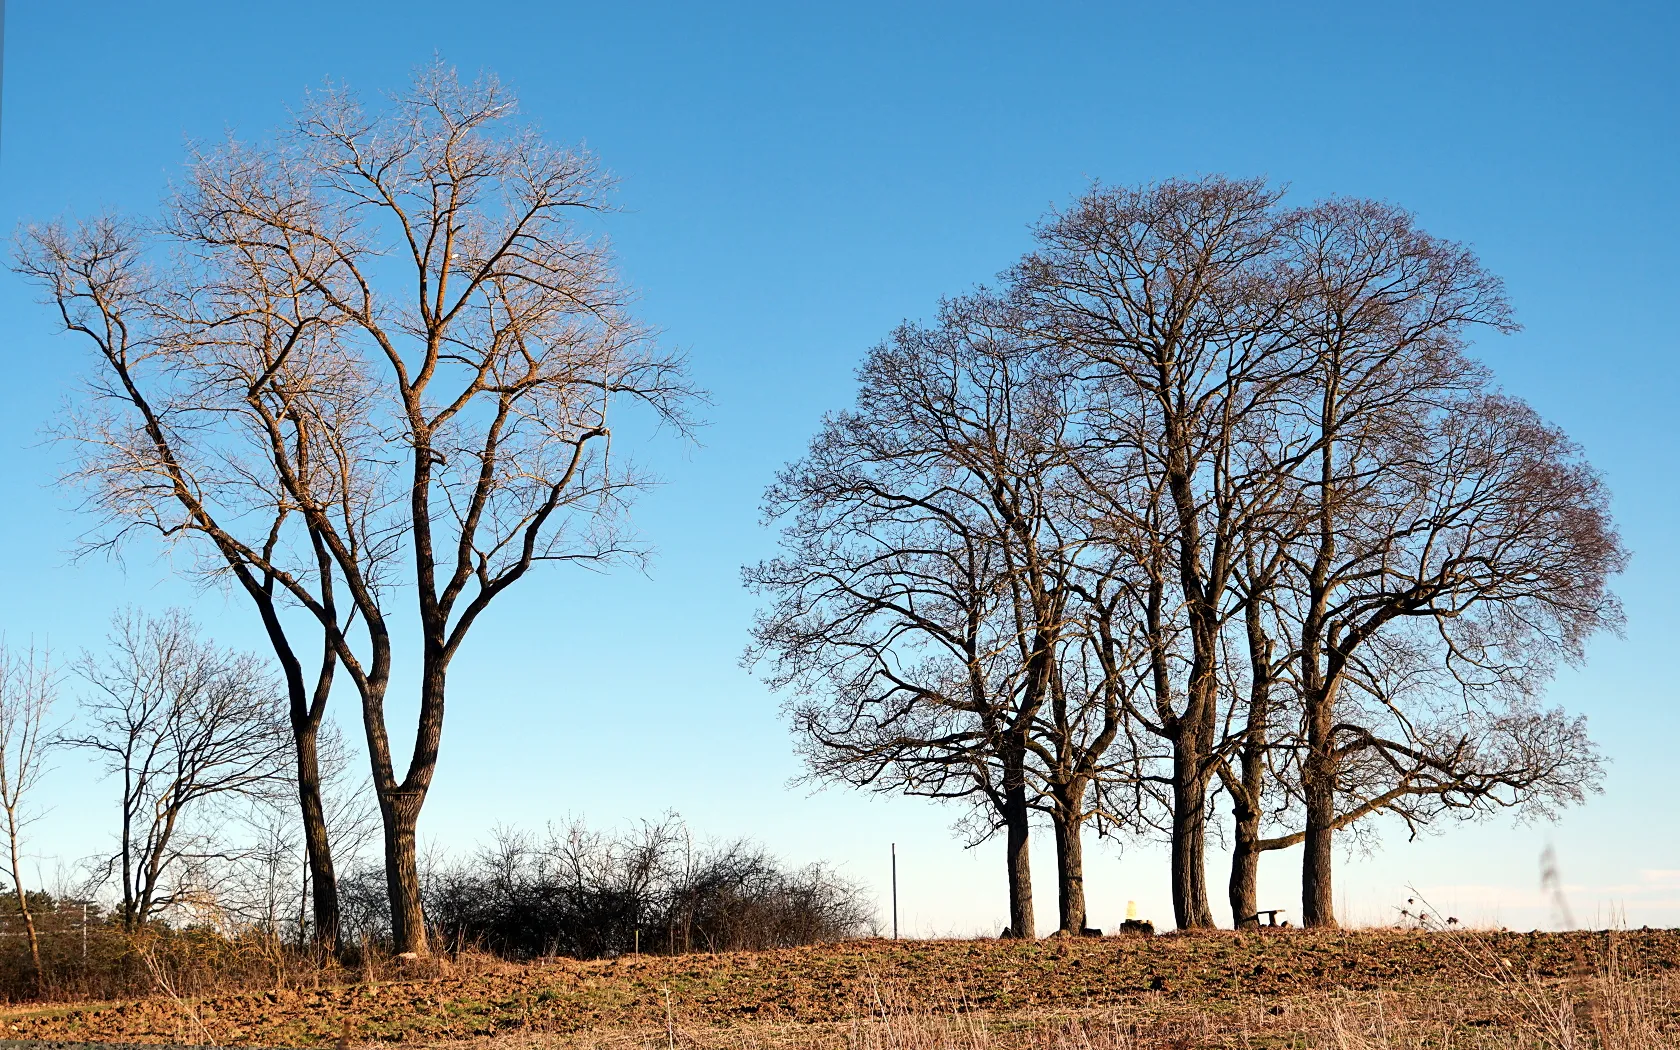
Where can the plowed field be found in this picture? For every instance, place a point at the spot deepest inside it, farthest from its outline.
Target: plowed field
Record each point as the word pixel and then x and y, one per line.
pixel 757 998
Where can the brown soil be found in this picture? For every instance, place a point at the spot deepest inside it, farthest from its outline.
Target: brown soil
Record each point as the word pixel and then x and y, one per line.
pixel 757 995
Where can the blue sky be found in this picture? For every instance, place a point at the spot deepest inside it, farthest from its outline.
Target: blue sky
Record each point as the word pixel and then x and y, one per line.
pixel 796 179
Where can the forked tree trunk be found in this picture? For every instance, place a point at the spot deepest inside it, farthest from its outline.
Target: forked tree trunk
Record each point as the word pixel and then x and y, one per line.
pixel 1244 890
pixel 1246 793
pixel 1070 870
pixel 1017 859
pixel 400 803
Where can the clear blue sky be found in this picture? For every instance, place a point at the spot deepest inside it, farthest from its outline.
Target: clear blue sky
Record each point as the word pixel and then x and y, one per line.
pixel 796 180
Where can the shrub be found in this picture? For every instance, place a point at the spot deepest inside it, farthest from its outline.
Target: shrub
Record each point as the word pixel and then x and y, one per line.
pixel 588 894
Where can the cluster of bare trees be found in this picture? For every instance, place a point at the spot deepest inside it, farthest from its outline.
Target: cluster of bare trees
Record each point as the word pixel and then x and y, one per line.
pixel 366 366
pixel 1206 501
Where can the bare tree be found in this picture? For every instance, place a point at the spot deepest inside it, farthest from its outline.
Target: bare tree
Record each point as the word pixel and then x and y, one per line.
pixel 165 447
pixel 917 610
pixel 1450 539
pixel 28 689
pixel 1165 299
pixel 1256 434
pixel 188 729
pixel 413 350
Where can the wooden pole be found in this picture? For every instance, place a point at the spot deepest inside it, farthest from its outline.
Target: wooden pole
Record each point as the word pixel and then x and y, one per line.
pixel 895 889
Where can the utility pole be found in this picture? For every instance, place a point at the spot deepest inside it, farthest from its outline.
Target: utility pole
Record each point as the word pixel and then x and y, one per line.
pixel 895 889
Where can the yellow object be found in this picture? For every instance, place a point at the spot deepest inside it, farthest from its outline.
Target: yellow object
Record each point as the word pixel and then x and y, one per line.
pixel 1131 910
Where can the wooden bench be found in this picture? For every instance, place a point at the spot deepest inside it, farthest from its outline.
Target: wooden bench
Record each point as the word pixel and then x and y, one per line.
pixel 1271 915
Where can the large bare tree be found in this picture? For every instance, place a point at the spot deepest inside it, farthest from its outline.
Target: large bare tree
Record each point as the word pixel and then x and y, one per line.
pixel 1298 538
pixel 489 336
pixel 1446 529
pixel 419 347
pixel 166 445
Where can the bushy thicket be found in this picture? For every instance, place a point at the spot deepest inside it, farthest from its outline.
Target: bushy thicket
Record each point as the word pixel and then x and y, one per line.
pixel 76 939
pixel 572 891
pixel 589 894
pixel 86 954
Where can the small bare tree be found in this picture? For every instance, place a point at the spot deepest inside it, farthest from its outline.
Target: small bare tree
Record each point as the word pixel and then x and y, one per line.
pixel 28 688
pixel 188 728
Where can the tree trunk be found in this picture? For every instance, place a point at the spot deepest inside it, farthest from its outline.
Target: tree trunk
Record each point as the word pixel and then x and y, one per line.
pixel 1017 859
pixel 1319 788
pixel 1248 793
pixel 400 802
pixel 23 905
pixel 1189 837
pixel 323 881
pixel 1070 870
pixel 1317 906
pixel 127 845
pixel 1244 890
pixel 401 813
pixel 306 714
